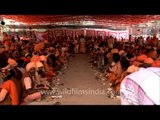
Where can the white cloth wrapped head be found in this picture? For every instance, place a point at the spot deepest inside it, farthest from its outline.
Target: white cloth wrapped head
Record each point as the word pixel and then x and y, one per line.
pixel 30 65
pixel 132 69
pixel 39 65
pixel 12 62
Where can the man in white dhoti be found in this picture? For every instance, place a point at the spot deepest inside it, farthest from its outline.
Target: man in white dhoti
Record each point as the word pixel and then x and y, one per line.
pixel 141 87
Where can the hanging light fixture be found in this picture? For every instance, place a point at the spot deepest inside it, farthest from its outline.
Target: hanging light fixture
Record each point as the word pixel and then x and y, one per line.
pixel 2 23
pixel 30 28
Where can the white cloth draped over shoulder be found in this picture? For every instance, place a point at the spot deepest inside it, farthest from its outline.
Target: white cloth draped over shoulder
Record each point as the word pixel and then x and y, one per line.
pixel 141 87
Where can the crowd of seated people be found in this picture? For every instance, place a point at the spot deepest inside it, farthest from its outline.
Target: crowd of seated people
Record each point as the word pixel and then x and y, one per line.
pixel 115 59
pixel 26 67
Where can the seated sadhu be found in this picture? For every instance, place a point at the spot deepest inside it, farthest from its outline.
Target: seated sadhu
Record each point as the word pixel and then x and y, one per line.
pixel 125 65
pixel 28 84
pixel 41 76
pixel 10 91
pixel 116 70
pixel 10 83
pixel 48 69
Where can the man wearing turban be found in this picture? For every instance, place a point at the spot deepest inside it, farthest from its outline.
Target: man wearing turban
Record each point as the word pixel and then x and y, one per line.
pixel 28 84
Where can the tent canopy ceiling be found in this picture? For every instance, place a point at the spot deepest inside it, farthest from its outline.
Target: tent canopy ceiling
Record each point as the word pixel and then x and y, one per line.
pixel 105 20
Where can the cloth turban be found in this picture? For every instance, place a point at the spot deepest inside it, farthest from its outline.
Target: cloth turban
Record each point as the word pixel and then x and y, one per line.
pixel 148 60
pixel 114 51
pixel 35 58
pixel 12 62
pixel 30 65
pixel 141 58
pixel 132 69
pixel 39 64
pixel 156 63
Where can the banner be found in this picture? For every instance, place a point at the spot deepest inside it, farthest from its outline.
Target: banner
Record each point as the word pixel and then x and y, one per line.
pixel 69 33
pixel 41 36
pixel 58 32
pixel 79 32
pixel 113 34
pixel 123 35
pixel 102 34
pixel 50 33
pixel 90 32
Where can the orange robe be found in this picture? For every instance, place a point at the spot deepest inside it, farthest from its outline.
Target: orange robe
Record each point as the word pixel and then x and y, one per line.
pixel 12 91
